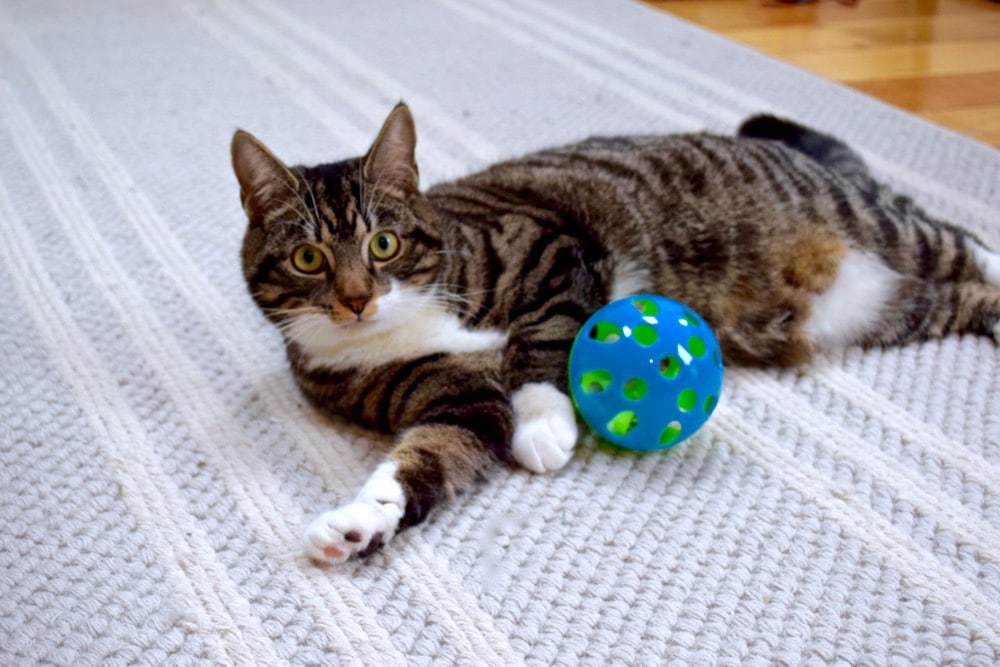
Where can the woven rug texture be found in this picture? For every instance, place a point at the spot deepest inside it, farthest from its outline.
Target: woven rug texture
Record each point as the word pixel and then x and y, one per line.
pixel 157 463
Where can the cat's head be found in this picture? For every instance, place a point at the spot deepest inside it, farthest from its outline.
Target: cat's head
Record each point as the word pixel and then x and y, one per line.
pixel 334 250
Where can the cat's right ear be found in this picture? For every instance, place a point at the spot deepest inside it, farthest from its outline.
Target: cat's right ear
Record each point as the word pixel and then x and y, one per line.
pixel 265 182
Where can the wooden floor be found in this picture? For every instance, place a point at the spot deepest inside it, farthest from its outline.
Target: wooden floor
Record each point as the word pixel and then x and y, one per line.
pixel 937 58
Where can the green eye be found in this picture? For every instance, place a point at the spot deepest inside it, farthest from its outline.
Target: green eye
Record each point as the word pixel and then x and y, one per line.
pixel 307 258
pixel 384 245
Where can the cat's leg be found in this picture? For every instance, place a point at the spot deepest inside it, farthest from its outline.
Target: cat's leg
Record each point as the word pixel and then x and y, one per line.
pixel 545 431
pixel 362 526
pixel 919 245
pixel 932 310
pixel 534 370
pixel 870 303
pixel 455 423
pixel 429 465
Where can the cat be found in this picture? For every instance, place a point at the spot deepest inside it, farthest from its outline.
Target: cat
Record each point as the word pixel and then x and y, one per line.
pixel 446 316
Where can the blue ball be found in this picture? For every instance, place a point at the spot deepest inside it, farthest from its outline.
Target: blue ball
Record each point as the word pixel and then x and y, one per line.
pixel 645 372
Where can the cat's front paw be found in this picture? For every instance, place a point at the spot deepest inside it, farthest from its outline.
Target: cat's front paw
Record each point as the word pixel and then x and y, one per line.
pixel 362 527
pixel 545 430
pixel 358 529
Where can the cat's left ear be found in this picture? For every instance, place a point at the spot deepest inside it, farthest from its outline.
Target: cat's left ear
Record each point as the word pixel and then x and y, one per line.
pixel 391 160
pixel 265 182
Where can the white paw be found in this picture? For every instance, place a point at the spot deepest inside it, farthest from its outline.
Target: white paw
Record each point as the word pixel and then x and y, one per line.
pixel 545 429
pixel 361 527
pixel 989 262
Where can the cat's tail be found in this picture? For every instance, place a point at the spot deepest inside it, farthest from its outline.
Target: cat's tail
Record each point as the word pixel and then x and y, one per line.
pixel 829 151
pixel 919 233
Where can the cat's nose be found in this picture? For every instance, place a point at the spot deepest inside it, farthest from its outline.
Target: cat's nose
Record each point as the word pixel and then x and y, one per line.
pixel 356 304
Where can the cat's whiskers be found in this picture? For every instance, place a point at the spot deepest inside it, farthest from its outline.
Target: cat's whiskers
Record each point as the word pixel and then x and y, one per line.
pixel 306 216
pixel 285 312
pixel 286 318
pixel 361 189
pixel 440 297
pixel 312 197
pixel 466 296
pixel 448 252
pixel 370 207
pixel 304 327
pixel 307 224
pixel 301 223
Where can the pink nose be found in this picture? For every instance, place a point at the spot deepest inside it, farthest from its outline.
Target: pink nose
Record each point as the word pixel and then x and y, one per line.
pixel 356 304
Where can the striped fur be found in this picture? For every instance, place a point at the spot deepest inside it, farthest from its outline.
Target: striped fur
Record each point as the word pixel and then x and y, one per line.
pixel 423 314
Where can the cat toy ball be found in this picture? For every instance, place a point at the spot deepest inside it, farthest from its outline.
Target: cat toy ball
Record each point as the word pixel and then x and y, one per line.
pixel 645 372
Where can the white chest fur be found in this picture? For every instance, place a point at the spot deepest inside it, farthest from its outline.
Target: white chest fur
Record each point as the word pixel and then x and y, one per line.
pixel 409 325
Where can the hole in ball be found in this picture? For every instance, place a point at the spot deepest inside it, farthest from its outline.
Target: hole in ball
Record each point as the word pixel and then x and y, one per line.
pixel 623 422
pixel 593 382
pixel 671 433
pixel 690 319
pixel 696 346
pixel 635 389
pixel 645 306
pixel 606 332
pixel 644 334
pixel 687 400
pixel 670 367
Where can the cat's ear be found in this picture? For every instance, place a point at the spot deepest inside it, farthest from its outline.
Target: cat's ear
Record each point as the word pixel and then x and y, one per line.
pixel 265 182
pixel 391 160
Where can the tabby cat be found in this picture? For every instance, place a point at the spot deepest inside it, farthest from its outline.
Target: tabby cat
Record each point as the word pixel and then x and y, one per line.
pixel 446 316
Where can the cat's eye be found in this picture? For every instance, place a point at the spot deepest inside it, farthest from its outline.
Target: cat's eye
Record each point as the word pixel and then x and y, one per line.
pixel 384 245
pixel 308 258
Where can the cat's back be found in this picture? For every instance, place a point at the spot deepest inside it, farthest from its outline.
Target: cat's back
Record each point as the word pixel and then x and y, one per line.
pixel 704 167
pixel 602 176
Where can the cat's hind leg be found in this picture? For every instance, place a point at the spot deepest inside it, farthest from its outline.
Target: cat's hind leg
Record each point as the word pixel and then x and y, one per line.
pixel 870 303
pixel 924 310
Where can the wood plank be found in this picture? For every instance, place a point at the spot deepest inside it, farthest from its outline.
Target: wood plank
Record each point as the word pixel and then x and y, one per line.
pixel 868 33
pixel 937 93
pixel 939 59
pixel 891 62
pixel 722 15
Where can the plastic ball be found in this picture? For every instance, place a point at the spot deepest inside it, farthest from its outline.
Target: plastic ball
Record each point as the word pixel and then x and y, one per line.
pixel 645 372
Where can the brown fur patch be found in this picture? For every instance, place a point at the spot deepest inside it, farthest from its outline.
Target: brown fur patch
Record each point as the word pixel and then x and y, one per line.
pixel 812 263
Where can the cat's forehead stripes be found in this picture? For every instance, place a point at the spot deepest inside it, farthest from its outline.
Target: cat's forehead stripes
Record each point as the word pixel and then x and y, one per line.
pixel 361 224
pixel 332 212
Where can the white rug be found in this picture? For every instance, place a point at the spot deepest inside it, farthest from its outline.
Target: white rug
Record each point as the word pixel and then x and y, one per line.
pixel 157 464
